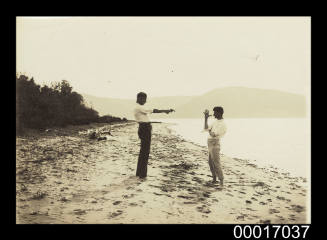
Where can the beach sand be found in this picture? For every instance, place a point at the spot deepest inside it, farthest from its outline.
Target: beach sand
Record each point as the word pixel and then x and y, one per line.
pixel 62 177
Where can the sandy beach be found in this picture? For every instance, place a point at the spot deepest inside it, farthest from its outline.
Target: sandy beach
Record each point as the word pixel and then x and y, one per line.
pixel 63 177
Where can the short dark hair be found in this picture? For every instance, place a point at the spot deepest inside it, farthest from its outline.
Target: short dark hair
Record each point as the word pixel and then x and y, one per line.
pixel 141 94
pixel 219 110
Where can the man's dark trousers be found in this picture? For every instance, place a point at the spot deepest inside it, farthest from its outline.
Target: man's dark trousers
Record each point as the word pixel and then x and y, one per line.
pixel 144 133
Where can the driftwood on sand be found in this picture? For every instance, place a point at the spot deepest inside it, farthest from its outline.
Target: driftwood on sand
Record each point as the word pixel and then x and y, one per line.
pixel 96 134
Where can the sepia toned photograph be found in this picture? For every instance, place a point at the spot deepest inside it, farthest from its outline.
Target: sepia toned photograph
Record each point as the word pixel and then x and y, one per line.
pixel 163 120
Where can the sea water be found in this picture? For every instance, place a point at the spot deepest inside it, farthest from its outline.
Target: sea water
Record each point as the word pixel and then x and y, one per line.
pixel 283 143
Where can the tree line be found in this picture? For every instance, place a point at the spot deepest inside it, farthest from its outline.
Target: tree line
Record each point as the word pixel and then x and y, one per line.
pixel 50 106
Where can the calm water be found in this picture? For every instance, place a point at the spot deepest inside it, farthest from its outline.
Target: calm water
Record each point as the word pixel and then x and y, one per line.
pixel 282 143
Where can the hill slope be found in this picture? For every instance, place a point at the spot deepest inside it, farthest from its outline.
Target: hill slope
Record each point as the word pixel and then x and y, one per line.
pixel 238 102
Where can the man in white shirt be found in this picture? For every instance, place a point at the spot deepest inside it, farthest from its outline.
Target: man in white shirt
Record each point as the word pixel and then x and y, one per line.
pixel 144 132
pixel 216 130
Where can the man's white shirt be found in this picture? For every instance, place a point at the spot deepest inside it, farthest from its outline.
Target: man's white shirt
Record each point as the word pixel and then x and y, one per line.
pixel 141 113
pixel 217 129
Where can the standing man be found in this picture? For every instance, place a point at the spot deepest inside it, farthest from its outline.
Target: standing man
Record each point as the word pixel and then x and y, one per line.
pixel 144 132
pixel 216 131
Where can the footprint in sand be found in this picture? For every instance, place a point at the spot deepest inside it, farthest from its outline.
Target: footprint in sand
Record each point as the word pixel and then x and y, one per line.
pixel 210 184
pixel 240 218
pixel 219 188
pixel 157 193
pixel 196 179
pixel 129 196
pixel 115 214
pixel 63 189
pixel 64 199
pixel 186 197
pixel 265 221
pixel 79 211
pixel 201 199
pixel 297 208
pixel 203 209
pixel 206 194
pixel 262 203
pixel 116 202
pixel 190 190
pixel 281 198
pixel 272 211
pixel 167 188
pixel 250 209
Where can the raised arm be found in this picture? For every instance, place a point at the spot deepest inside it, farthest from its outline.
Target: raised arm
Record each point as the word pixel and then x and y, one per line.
pixel 206 116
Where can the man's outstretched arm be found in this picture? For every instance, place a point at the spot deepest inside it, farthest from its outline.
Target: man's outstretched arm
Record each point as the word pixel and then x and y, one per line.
pixel 163 111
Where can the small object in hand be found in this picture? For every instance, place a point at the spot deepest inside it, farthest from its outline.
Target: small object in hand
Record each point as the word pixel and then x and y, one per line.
pixel 206 113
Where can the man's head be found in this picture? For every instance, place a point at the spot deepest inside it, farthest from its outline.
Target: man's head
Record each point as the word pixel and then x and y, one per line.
pixel 141 98
pixel 218 112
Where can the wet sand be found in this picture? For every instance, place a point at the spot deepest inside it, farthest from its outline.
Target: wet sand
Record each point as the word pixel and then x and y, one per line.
pixel 62 177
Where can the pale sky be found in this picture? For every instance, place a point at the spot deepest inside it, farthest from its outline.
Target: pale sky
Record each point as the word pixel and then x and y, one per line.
pixel 166 56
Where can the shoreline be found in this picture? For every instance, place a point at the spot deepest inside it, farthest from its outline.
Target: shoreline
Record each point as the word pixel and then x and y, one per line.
pixel 251 161
pixel 73 179
pixel 286 152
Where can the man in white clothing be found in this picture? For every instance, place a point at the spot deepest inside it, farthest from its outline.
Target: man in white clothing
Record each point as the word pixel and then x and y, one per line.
pixel 144 132
pixel 216 130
